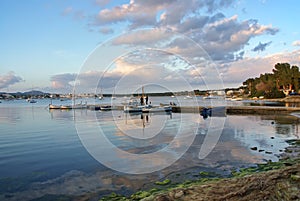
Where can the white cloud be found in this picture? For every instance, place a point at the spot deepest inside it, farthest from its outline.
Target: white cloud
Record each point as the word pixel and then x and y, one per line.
pixel 239 71
pixel 9 79
pixel 68 10
pixel 296 43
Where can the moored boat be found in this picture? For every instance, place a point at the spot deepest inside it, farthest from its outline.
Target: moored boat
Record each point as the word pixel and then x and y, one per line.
pixel 157 109
pixel 105 107
pixel 51 106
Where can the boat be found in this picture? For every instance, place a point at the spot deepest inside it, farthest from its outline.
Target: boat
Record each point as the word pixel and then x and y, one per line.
pixel 210 97
pixel 32 101
pixel 157 109
pixel 188 97
pixel 105 107
pixel 101 97
pixel 79 106
pixel 133 106
pixel 113 96
pixel 131 109
pixel 66 107
pixel 51 106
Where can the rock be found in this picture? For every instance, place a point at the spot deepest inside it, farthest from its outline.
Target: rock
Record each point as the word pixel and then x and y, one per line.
pixel 162 198
pixel 178 194
pixel 253 148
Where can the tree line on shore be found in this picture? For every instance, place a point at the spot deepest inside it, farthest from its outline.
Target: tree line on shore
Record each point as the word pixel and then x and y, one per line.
pixel 284 80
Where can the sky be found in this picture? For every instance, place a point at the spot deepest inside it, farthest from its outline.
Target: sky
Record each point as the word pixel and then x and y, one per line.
pixel 119 46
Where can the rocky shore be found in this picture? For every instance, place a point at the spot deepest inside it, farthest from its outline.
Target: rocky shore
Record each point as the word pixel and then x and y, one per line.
pixel 271 181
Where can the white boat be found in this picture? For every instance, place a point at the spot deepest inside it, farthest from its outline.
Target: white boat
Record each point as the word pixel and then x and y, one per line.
pixel 79 106
pixel 74 106
pixel 210 97
pixel 157 109
pixel 133 106
pixel 54 106
pixel 66 107
pixel 105 107
pixel 131 109
pixel 188 97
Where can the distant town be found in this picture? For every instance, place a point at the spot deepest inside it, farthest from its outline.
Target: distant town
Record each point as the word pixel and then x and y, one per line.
pixel 42 95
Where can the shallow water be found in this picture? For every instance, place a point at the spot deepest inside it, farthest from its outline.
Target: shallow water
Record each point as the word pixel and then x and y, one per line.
pixel 49 152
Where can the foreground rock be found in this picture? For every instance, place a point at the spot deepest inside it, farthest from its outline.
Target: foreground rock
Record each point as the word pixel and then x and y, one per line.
pixel 279 184
pixel 282 184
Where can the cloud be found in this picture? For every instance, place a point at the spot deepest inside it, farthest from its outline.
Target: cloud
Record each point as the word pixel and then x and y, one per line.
pixel 261 47
pixel 68 10
pixel 63 81
pixel 235 73
pixel 106 30
pixel 76 14
pixel 296 43
pixel 9 79
pixel 102 3
pixel 222 37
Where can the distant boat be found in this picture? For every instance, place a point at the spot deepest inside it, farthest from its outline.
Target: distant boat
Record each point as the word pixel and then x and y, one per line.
pixel 54 106
pixel 210 97
pixel 188 97
pixel 101 97
pixel 79 106
pixel 69 107
pixel 157 109
pixel 66 107
pixel 133 106
pixel 113 96
pixel 31 100
pixel 105 107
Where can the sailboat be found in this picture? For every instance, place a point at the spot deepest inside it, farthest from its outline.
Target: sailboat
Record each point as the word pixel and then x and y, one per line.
pixel 101 97
pixel 30 100
pixel 113 96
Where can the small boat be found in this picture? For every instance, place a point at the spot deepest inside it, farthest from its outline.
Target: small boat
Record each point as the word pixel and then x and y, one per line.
pixel 51 107
pixel 131 109
pixel 210 97
pixel 133 106
pixel 105 107
pixel 32 101
pixel 157 109
pixel 76 106
pixel 188 97
pixel 79 106
pixel 66 107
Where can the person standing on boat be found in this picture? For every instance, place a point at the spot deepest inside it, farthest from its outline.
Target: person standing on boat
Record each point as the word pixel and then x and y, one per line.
pixel 142 100
pixel 146 99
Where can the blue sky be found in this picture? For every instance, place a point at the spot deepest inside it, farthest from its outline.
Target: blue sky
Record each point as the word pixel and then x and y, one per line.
pixel 46 44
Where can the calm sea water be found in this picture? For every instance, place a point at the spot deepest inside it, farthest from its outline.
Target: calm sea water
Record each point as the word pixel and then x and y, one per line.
pixel 43 152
